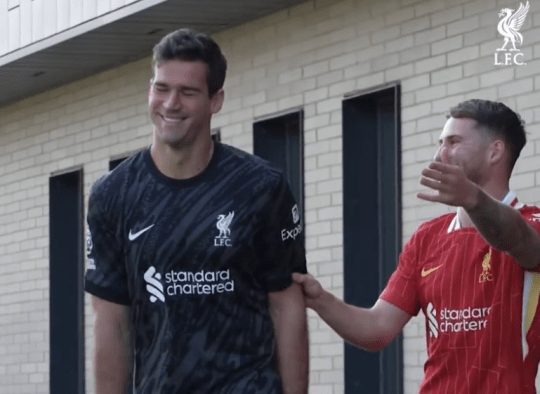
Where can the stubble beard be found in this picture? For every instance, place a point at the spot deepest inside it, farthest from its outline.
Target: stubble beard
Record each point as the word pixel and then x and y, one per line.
pixel 176 137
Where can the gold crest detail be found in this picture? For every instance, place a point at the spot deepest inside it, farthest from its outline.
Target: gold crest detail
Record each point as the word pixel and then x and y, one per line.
pixel 486 268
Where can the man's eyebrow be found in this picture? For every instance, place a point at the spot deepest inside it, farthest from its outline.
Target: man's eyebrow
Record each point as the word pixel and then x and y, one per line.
pixel 193 88
pixel 181 88
pixel 450 137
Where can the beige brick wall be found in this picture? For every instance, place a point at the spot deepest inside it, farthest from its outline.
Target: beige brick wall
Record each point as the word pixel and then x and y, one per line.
pixel 82 124
pixel 308 56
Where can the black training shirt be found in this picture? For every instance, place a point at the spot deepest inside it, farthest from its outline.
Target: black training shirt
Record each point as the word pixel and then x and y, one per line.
pixel 195 260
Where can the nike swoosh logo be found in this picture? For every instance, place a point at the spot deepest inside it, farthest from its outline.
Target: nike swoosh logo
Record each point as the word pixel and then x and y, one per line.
pixel 429 271
pixel 133 237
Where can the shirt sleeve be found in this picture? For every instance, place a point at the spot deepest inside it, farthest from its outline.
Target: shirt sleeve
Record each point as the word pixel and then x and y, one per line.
pixel 277 243
pixel 532 216
pixel 402 287
pixel 106 274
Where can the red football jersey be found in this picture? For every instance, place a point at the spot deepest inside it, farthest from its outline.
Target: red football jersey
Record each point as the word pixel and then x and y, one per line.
pixel 482 325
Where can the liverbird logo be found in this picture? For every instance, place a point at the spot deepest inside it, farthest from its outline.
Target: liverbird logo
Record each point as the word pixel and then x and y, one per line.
pixel 223 225
pixel 486 268
pixel 509 27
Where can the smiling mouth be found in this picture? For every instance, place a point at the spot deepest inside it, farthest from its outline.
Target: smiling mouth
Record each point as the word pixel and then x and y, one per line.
pixel 172 120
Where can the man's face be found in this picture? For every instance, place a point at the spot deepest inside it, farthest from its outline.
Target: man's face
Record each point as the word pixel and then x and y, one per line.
pixel 179 104
pixel 462 144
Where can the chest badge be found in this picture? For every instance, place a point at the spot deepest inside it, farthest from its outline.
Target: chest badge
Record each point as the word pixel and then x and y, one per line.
pixel 223 224
pixel 486 274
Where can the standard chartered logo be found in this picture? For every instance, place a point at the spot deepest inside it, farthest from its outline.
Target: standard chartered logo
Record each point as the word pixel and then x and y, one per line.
pixel 185 283
pixel 456 320
pixel 201 282
pixel 432 318
pixel 153 285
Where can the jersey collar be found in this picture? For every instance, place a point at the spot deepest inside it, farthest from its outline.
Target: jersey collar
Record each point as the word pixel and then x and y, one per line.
pixel 510 199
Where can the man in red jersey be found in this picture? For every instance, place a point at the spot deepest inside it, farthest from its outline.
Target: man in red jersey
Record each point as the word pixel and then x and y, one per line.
pixel 473 273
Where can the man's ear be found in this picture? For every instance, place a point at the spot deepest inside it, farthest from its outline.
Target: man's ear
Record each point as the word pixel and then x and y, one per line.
pixel 216 101
pixel 497 151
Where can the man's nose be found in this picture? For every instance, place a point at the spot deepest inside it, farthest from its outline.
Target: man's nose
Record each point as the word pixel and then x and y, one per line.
pixel 437 156
pixel 442 154
pixel 173 101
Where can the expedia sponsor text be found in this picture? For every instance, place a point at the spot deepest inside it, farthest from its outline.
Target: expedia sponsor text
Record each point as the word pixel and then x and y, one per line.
pixel 295 232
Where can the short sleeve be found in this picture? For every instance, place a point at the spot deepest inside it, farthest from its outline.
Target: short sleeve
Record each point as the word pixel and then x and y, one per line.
pixel 532 215
pixel 402 287
pixel 106 274
pixel 277 243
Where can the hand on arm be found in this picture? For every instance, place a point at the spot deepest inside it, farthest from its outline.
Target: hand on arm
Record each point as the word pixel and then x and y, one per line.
pixel 370 329
pixel 499 224
pixel 288 313
pixel 112 358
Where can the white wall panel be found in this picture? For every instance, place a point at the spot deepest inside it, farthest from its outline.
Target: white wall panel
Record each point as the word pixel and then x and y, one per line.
pixel 38 31
pixel 75 12
pixel 117 4
pixel 89 9
pixel 103 6
pixel 14 29
pixel 4 26
pixel 49 17
pixel 26 22
pixel 42 19
pixel 62 15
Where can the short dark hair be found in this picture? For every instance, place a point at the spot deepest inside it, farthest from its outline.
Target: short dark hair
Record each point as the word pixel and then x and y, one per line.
pixel 498 120
pixel 189 45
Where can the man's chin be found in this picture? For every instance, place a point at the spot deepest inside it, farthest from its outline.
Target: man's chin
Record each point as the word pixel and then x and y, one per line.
pixel 171 138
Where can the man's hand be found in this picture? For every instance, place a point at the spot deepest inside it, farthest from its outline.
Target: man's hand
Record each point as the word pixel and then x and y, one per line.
pixel 451 185
pixel 311 288
pixel 370 329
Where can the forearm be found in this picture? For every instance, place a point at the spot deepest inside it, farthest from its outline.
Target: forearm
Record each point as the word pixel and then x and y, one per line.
pixel 358 326
pixel 504 229
pixel 112 360
pixel 292 350
pixel 288 311
pixel 495 221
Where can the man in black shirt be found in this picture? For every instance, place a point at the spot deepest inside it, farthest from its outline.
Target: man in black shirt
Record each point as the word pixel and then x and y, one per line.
pixel 191 248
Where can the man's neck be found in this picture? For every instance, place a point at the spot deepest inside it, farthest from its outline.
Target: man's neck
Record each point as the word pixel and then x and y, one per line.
pixel 182 163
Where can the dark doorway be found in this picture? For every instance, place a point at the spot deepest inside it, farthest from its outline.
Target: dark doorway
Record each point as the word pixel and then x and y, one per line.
pixel 216 135
pixel 372 226
pixel 66 297
pixel 115 163
pixel 280 141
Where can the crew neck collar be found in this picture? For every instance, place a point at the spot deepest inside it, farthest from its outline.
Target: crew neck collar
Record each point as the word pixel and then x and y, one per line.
pixel 203 176
pixel 510 199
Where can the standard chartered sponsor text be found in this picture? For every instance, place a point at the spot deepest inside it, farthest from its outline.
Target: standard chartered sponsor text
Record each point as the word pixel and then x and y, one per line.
pixel 201 282
pixel 467 319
